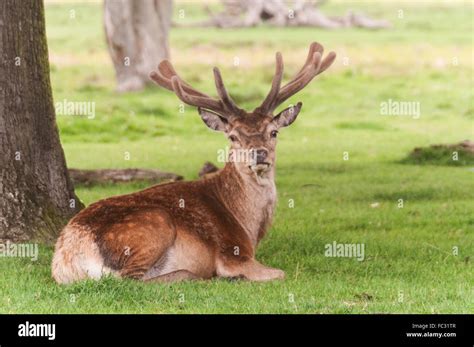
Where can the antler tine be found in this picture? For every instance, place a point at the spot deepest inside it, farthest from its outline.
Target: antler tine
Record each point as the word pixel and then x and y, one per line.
pixel 164 82
pixel 158 78
pixel 307 73
pixel 327 62
pixel 196 100
pixel 313 48
pixel 313 66
pixel 163 78
pixel 266 105
pixel 222 92
pixel 167 77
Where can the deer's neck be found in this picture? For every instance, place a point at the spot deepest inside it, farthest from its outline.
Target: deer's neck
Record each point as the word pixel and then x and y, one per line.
pixel 251 200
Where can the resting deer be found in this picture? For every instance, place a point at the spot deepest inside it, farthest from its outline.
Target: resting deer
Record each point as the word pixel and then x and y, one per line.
pixel 199 229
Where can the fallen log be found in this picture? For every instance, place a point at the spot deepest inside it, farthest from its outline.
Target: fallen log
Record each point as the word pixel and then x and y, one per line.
pixel 103 176
pixel 207 170
pixel 281 13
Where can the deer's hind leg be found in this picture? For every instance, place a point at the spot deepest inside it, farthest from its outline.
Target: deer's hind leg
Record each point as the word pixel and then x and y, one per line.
pixel 138 242
pixel 188 259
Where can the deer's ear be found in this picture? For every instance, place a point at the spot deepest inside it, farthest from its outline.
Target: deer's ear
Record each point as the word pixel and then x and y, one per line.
pixel 287 116
pixel 213 120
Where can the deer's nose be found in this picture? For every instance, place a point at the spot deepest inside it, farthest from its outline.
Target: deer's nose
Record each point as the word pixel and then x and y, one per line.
pixel 260 155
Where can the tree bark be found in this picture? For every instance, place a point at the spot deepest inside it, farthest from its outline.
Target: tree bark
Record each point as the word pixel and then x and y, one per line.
pixel 137 37
pixel 36 195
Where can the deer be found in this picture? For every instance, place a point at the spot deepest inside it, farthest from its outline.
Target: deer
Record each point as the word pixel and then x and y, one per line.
pixel 193 230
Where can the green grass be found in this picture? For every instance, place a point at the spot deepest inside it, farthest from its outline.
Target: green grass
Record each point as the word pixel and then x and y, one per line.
pixel 411 264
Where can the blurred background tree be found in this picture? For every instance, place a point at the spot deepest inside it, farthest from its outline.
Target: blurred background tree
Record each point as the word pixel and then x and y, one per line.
pixel 137 38
pixel 282 13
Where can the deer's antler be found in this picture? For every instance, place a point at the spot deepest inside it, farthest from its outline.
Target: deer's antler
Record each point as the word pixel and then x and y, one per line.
pixel 313 66
pixel 167 77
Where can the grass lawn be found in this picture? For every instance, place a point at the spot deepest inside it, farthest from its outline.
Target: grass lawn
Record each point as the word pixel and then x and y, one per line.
pixel 418 258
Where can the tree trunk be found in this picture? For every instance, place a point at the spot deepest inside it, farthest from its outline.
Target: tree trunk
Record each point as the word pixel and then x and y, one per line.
pixel 137 37
pixel 36 195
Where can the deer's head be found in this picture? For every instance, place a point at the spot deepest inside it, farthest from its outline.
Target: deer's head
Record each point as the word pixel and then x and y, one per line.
pixel 252 134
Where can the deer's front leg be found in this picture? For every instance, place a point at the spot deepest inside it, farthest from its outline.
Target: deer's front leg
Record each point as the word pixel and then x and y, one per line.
pixel 249 269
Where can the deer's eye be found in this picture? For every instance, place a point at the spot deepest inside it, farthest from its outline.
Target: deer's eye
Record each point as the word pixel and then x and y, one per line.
pixel 233 138
pixel 274 133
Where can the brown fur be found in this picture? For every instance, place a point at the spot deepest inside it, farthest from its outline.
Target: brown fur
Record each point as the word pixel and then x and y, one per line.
pixel 133 232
